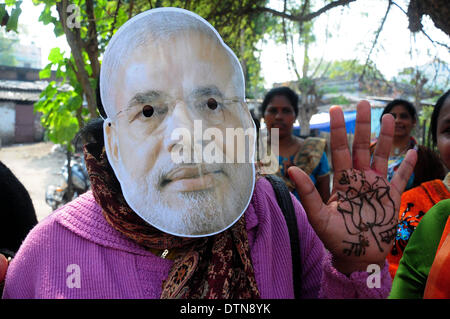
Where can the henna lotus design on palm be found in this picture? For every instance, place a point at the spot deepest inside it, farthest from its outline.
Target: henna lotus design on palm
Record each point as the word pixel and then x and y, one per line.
pixel 368 211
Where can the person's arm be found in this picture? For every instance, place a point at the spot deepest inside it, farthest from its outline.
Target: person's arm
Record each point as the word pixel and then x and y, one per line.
pixel 321 280
pixel 311 254
pixel 374 283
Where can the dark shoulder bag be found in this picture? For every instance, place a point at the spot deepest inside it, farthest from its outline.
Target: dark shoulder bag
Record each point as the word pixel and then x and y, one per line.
pixel 287 207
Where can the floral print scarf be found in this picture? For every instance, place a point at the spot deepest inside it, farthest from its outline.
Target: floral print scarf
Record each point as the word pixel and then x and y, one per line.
pixel 217 267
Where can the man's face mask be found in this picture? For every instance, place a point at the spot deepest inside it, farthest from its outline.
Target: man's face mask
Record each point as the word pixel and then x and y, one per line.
pixel 179 136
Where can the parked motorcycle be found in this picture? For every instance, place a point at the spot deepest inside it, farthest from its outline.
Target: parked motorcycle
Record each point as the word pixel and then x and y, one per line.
pixel 58 195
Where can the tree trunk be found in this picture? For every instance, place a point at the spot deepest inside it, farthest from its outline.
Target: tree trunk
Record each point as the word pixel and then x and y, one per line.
pixel 92 42
pixel 69 193
pixel 304 118
pixel 76 47
pixel 420 81
pixel 308 104
pixel 437 10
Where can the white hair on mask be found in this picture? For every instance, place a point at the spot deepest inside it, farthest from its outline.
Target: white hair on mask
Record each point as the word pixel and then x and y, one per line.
pixel 154 26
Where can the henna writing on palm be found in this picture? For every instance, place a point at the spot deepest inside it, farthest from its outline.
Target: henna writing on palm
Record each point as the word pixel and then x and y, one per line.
pixel 366 207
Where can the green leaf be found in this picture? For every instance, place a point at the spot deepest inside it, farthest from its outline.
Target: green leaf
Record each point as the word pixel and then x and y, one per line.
pixel 60 74
pixel 14 18
pixel 74 103
pixel 98 12
pixel 55 56
pixel 10 3
pixel 2 11
pixel 58 30
pixel 46 15
pixel 49 92
pixel 46 72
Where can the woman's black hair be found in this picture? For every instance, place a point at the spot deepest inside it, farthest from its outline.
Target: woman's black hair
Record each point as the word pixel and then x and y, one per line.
pixel 408 105
pixel 99 100
pixel 283 91
pixel 435 115
pixel 92 132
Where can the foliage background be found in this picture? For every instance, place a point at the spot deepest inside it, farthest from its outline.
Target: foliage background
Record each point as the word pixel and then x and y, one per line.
pixel 70 100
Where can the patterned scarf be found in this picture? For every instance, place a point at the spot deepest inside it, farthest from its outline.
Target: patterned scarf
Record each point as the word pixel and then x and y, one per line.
pixel 216 267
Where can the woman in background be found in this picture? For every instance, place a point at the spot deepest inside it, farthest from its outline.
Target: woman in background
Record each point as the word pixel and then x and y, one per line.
pixel 423 268
pixel 280 110
pixel 428 166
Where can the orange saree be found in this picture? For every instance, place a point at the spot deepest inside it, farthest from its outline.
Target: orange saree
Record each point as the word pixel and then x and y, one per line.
pixel 438 282
pixel 414 204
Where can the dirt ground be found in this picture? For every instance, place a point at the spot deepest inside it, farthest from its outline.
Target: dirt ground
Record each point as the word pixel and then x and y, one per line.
pixel 36 166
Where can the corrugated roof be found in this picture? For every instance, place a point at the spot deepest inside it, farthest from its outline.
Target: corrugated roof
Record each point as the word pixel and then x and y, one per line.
pixel 24 91
pixel 22 96
pixel 23 85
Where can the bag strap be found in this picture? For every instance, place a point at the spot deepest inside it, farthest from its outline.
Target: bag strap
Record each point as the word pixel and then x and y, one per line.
pixel 287 207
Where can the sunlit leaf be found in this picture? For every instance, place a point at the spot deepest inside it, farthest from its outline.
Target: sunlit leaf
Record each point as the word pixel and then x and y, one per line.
pixel 55 56
pixel 14 17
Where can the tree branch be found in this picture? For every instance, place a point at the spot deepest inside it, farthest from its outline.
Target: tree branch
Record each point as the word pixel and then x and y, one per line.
pixel 421 29
pixel 434 42
pixel 76 46
pixel 130 11
pixel 300 17
pixel 329 6
pixel 92 42
pixel 375 40
pixel 289 56
pixel 113 25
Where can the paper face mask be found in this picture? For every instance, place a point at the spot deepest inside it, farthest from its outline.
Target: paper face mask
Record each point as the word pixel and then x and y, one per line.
pixel 178 136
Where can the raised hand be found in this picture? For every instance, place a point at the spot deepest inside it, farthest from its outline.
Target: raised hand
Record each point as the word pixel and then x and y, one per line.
pixel 358 223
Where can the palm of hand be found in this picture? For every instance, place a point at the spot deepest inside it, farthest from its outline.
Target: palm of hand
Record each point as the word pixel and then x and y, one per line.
pixel 363 211
pixel 359 222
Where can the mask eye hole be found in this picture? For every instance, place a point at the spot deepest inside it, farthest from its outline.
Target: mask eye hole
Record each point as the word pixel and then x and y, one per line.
pixel 147 110
pixel 212 103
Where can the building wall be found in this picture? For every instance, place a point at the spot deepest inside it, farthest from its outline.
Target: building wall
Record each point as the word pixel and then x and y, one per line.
pixel 14 124
pixel 24 127
pixel 7 122
pixel 38 129
pixel 11 132
pixel 22 74
pixel 8 74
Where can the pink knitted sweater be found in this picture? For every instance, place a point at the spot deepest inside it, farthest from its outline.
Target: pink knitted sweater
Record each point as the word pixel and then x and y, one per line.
pixel 75 253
